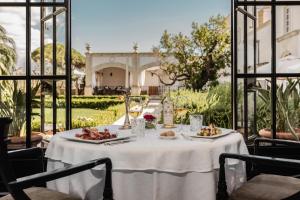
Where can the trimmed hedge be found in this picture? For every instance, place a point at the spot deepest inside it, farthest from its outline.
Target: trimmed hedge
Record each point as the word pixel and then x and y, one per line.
pixel 144 97
pixel 85 103
pixel 93 102
pixel 92 97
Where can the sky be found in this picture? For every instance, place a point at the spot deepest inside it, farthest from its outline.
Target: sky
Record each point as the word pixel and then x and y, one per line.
pixel 115 25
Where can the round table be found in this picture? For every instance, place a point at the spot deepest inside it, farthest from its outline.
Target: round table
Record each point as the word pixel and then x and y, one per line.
pixel 149 168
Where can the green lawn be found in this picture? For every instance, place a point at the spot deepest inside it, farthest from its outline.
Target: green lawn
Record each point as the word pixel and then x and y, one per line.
pixel 99 117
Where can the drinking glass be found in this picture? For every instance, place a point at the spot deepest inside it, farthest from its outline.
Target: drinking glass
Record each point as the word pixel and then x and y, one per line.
pixel 138 127
pixel 180 110
pixel 196 122
pixel 135 106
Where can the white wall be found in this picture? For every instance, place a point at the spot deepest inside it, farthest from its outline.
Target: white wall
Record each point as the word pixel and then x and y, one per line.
pixel 117 78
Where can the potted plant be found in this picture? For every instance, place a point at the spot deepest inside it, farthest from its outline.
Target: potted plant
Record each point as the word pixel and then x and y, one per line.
pixel 288 107
pixel 13 105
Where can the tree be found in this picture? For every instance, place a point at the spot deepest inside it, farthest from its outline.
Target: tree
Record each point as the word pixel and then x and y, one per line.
pixel 196 59
pixel 8 54
pixel 78 60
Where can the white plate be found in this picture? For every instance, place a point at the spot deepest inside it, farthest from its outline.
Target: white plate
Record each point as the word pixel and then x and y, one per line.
pixel 72 137
pixel 213 137
pixel 168 137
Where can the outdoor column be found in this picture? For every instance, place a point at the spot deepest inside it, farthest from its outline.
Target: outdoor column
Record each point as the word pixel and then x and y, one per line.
pixel 126 76
pixel 88 90
pixel 135 89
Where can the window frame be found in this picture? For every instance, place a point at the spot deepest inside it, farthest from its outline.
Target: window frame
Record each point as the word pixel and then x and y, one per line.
pixel 273 76
pixel 28 77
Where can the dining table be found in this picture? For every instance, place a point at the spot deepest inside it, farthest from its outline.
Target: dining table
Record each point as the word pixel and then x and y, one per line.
pixel 149 167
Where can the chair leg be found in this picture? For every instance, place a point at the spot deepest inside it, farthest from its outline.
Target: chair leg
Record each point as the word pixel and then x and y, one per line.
pixel 108 191
pixel 222 187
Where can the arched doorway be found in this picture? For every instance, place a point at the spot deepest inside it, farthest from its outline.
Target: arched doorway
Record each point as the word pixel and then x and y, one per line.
pixel 150 81
pixel 111 77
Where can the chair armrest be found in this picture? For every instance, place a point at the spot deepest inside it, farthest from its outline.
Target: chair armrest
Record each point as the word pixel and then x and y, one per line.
pixel 289 143
pixel 32 152
pixel 30 181
pixel 269 161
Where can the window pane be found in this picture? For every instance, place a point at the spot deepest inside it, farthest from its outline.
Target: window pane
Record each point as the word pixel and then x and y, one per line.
pixel 287 30
pixel 258 105
pixel 288 108
pixel 43 107
pixel 13 105
pixel 60 43
pixel 35 41
pixel 13 37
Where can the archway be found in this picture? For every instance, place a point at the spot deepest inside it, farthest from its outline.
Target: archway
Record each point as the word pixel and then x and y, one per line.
pixel 111 77
pixel 150 81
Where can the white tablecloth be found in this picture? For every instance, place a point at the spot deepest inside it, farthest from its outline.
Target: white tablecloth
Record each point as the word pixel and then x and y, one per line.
pixel 149 168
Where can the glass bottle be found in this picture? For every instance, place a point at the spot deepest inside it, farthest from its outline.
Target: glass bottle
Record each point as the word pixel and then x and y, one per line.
pixel 168 112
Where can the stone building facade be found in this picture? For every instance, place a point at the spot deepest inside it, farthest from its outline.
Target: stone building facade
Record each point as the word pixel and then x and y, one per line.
pixel 137 70
pixel 287 37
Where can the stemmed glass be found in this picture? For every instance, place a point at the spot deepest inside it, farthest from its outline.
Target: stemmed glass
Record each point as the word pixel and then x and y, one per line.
pixel 135 106
pixel 135 110
pixel 181 110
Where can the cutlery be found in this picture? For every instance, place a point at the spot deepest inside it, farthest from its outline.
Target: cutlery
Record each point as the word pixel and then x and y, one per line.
pixel 117 142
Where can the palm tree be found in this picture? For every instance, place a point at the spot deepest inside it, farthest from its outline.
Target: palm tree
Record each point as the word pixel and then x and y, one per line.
pixel 8 58
pixel 8 54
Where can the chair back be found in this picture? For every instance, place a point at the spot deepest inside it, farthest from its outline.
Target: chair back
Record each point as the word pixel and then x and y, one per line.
pixel 5 167
pixel 276 148
pixel 4 128
pixel 6 172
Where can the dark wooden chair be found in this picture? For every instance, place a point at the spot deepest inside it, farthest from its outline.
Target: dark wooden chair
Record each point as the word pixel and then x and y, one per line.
pixel 268 179
pixel 23 188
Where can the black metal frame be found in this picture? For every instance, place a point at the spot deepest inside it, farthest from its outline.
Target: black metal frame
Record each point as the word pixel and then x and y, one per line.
pixel 251 159
pixel 236 7
pixel 15 186
pixel 28 77
pixel 259 163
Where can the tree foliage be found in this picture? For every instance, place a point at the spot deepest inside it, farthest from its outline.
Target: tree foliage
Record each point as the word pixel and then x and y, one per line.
pixel 78 60
pixel 8 54
pixel 196 59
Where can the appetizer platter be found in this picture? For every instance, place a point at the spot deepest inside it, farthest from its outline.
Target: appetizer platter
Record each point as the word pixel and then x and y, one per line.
pixel 94 136
pixel 210 132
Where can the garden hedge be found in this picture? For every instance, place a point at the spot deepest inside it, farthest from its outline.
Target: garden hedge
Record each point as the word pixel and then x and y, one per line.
pixel 85 103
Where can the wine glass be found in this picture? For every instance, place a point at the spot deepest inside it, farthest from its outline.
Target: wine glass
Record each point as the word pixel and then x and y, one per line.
pixel 180 110
pixel 135 106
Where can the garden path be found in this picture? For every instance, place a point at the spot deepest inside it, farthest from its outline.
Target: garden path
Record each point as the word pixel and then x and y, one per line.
pixel 153 107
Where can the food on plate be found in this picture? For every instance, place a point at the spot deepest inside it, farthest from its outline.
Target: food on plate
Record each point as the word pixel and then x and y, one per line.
pixel 94 134
pixel 168 134
pixel 211 130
